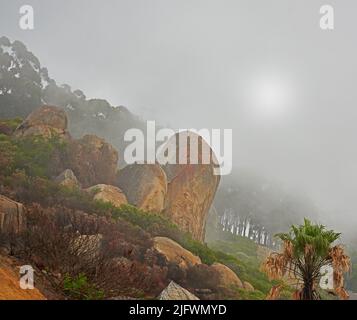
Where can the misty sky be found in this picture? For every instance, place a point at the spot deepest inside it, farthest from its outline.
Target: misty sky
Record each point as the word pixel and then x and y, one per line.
pixel 263 68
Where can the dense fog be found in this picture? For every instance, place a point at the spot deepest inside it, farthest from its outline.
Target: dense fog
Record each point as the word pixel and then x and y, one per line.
pixel 262 68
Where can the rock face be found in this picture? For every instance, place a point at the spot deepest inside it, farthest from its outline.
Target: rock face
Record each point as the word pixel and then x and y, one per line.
pixel 12 216
pixel 227 277
pixel 175 292
pixel 45 121
pixel 175 253
pixel 191 187
pixel 109 193
pixel 145 186
pixel 93 161
pixel 68 179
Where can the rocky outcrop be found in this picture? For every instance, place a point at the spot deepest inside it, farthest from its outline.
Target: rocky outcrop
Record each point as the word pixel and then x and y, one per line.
pixel 247 286
pixel 227 278
pixel 12 216
pixel 68 179
pixel 191 187
pixel 107 193
pixel 175 292
pixel 174 253
pixel 145 186
pixel 46 121
pixel 93 161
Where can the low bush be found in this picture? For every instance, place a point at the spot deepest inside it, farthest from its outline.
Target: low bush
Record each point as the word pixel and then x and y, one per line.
pixel 36 156
pixel 86 254
pixel 78 288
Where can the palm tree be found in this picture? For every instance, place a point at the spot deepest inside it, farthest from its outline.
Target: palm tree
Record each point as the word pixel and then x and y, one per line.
pixel 306 249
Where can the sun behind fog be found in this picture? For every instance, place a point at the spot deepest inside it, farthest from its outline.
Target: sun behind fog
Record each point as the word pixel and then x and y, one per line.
pixel 270 97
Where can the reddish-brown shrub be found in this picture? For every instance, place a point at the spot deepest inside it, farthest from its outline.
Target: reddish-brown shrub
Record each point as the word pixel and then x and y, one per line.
pixel 116 257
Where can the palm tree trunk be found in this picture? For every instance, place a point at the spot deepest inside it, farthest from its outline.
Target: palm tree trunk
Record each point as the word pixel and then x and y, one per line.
pixel 308 289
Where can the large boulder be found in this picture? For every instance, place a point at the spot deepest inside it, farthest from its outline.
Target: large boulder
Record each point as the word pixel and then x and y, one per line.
pixel 174 253
pixel 175 292
pixel 12 216
pixel 227 277
pixel 145 186
pixel 93 161
pixel 107 193
pixel 191 186
pixel 46 121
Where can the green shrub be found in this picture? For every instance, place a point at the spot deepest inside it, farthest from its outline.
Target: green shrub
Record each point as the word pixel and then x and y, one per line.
pixel 34 155
pixel 78 288
pixel 250 295
pixel 11 123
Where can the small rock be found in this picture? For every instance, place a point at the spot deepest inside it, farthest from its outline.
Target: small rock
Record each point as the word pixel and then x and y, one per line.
pixel 175 292
pixel 68 179
pixel 227 277
pixel 175 253
pixel 109 194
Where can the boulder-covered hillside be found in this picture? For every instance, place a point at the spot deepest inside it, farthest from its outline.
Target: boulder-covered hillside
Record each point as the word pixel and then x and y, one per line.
pixel 91 227
pixel 68 211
